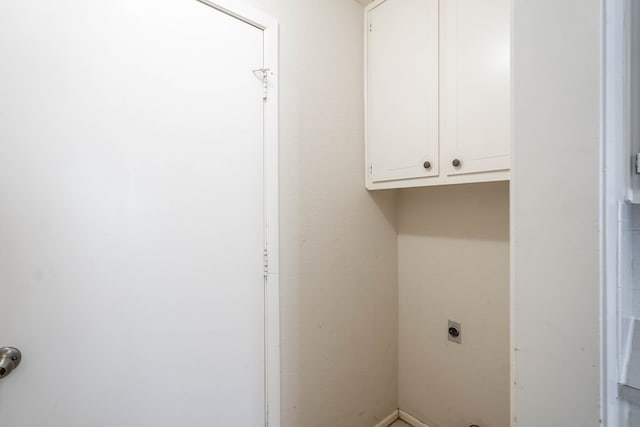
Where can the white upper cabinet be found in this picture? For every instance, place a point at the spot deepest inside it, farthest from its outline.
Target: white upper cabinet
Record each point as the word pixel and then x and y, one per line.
pixel 402 96
pixel 438 101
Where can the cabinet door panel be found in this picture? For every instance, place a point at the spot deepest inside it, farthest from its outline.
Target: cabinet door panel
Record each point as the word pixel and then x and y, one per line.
pixel 402 90
pixel 475 90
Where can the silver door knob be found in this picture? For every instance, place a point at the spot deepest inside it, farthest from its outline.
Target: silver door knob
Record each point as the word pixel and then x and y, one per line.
pixel 9 360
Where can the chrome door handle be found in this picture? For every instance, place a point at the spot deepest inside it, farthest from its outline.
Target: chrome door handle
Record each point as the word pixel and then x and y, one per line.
pixel 9 360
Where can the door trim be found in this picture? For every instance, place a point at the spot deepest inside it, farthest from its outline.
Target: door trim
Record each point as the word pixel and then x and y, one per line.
pixel 269 26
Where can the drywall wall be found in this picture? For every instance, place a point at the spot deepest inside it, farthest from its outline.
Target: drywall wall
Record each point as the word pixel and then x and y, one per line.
pixel 453 251
pixel 338 242
pixel 555 202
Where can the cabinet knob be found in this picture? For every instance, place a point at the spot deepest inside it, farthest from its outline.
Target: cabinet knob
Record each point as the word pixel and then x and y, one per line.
pixel 456 162
pixel 427 165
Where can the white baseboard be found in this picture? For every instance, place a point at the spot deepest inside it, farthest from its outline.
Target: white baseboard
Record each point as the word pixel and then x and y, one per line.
pixel 388 420
pixel 409 419
pixel 399 414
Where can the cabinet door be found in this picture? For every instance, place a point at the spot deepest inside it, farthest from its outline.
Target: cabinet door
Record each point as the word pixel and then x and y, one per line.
pixel 475 86
pixel 402 90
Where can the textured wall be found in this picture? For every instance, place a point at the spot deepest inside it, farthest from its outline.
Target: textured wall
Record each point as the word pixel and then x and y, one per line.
pixel 453 249
pixel 556 179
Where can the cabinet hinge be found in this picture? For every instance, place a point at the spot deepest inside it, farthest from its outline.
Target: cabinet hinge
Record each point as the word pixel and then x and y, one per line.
pixel 263 73
pixel 265 259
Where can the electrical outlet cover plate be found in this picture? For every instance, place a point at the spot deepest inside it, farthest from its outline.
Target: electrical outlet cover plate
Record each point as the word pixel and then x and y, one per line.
pixel 452 336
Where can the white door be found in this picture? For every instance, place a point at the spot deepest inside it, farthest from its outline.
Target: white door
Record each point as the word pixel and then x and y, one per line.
pixel 131 215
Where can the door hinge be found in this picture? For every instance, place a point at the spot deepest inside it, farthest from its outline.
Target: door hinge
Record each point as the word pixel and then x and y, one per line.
pixel 265 260
pixel 370 168
pixel 263 73
pixel 637 163
pixel 370 28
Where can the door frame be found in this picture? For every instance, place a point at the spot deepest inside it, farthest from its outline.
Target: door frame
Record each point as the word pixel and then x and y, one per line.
pixel 616 188
pixel 270 29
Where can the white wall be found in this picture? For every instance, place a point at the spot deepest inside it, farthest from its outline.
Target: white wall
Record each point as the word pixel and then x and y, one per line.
pixel 555 202
pixel 338 242
pixel 453 251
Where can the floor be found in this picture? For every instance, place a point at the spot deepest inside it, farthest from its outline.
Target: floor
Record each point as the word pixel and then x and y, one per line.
pixel 399 423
